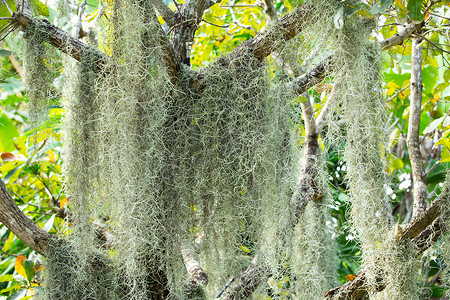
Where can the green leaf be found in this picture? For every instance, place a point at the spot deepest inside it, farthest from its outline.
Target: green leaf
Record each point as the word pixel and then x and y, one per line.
pixel 49 224
pixel 6 278
pixel 415 10
pixel 8 242
pixel 19 294
pixel 447 75
pixel 440 87
pixel 12 86
pixel 424 121
pixel 350 10
pixel 28 265
pixel 5 53
pixel 7 134
pixel 434 125
pixel 381 8
pixel 4 12
pixel 430 76
pixel 245 249
pixel 39 8
pixel 9 289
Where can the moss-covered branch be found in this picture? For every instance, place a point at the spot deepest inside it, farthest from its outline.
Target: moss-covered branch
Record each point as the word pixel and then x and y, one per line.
pixel 197 276
pixel 75 48
pixel 57 37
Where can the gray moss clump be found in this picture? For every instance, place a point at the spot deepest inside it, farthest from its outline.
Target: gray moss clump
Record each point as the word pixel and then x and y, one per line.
pixel 38 79
pixel 134 97
pixel 359 93
pixel 314 254
pixel 74 274
pixel 233 149
pixel 443 245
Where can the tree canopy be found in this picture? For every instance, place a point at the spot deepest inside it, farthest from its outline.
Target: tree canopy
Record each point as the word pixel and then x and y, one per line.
pixel 224 149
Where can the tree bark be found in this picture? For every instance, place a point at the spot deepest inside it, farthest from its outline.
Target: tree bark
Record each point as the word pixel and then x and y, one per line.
pixel 413 139
pixel 28 232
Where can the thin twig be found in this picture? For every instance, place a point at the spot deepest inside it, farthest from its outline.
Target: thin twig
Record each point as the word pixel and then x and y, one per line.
pixel 226 286
pixel 7 18
pixel 434 166
pixel 398 93
pixel 7 253
pixel 239 5
pixel 49 192
pixel 392 24
pixel 7 6
pixel 236 21
pixel 221 26
pixel 436 15
pixel 40 213
pixel 432 43
pixel 77 28
pixel 177 4
pixel 5 31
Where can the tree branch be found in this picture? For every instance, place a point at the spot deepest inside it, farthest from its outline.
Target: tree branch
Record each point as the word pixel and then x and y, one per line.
pixel 274 37
pixel 16 221
pixel 429 215
pixel 197 277
pixel 319 72
pixel 306 81
pixel 307 189
pixel 247 283
pixel 398 38
pixel 413 142
pixel 166 13
pixel 269 8
pixel 57 37
pixel 75 48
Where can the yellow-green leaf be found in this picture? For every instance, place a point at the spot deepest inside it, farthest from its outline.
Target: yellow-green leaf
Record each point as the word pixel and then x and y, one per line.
pixel 40 8
pixel 245 249
pixel 445 156
pixel 398 164
pixel 8 242
pixel 6 278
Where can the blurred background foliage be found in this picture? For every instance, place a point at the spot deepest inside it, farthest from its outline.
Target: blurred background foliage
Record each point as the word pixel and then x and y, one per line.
pixel 30 158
